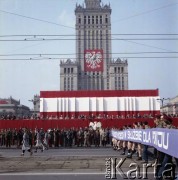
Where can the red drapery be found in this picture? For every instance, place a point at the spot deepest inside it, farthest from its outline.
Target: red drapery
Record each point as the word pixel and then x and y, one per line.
pixel 46 124
pixel 95 93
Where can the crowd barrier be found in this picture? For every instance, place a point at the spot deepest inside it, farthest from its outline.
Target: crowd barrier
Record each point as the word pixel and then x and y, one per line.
pixel 76 123
pixel 164 140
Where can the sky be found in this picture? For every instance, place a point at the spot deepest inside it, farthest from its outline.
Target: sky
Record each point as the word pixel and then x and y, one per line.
pixel 22 79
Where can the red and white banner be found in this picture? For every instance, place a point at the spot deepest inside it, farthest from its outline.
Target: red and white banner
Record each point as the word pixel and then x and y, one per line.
pixel 110 102
pixel 93 60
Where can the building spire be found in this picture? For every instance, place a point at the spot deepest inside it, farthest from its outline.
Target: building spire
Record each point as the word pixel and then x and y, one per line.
pixel 92 3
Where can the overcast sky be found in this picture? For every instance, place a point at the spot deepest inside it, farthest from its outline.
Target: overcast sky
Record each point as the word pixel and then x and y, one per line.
pixel 25 78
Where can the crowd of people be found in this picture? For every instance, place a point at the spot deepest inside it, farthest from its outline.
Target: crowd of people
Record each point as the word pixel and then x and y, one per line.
pixel 29 139
pixel 142 152
pixel 83 137
pixel 80 116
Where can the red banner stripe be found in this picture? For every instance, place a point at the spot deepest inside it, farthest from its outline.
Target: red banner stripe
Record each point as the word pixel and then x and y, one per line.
pixel 106 93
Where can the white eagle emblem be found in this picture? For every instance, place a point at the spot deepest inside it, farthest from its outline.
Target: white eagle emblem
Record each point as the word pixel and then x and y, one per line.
pixel 93 59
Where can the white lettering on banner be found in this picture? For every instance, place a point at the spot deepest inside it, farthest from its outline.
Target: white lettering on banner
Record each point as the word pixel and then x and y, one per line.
pixel 157 138
pixel 120 135
pixel 134 135
pixel 147 136
pixel 154 137
pixel 161 139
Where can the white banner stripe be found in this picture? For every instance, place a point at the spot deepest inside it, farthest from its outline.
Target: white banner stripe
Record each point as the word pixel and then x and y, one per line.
pixel 93 104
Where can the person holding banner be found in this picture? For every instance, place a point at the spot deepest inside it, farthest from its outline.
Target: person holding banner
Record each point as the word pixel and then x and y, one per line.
pixel 140 126
pixel 132 145
pixel 125 143
pixel 158 124
pixel 166 158
pixel 146 152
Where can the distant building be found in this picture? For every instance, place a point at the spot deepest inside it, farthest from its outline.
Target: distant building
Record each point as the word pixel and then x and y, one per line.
pixel 94 68
pixel 171 107
pixel 13 107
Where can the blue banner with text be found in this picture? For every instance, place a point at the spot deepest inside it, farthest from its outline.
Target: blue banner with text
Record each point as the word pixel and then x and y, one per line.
pixel 164 140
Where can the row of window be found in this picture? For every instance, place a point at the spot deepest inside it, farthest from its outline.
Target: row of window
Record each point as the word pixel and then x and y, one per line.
pixel 68 83
pixel 119 83
pixel 68 70
pixel 118 69
pixel 94 39
pixel 94 33
pixel 91 73
pixel 92 27
pixel 93 20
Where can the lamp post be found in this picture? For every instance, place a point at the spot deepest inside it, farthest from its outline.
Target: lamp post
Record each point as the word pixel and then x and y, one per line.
pixel 162 100
pixel 34 101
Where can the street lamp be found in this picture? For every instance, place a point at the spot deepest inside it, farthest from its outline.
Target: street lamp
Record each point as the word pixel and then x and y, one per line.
pixel 34 101
pixel 162 100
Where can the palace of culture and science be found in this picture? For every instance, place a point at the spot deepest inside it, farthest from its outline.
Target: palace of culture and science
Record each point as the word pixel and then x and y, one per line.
pixel 94 68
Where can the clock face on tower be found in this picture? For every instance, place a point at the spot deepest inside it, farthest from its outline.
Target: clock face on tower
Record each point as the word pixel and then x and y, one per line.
pixel 93 60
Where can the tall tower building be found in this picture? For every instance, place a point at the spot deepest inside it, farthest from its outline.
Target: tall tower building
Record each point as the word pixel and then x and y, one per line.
pixel 95 68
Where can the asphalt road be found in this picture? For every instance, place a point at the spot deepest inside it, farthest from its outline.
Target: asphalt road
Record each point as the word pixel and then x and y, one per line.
pixel 56 177
pixel 63 164
pixel 76 151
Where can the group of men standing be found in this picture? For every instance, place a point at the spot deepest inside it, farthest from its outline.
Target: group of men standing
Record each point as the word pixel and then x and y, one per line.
pixel 82 137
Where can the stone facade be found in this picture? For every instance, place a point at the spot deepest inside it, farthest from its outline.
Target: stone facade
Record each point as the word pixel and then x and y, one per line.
pixel 68 75
pixel 119 74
